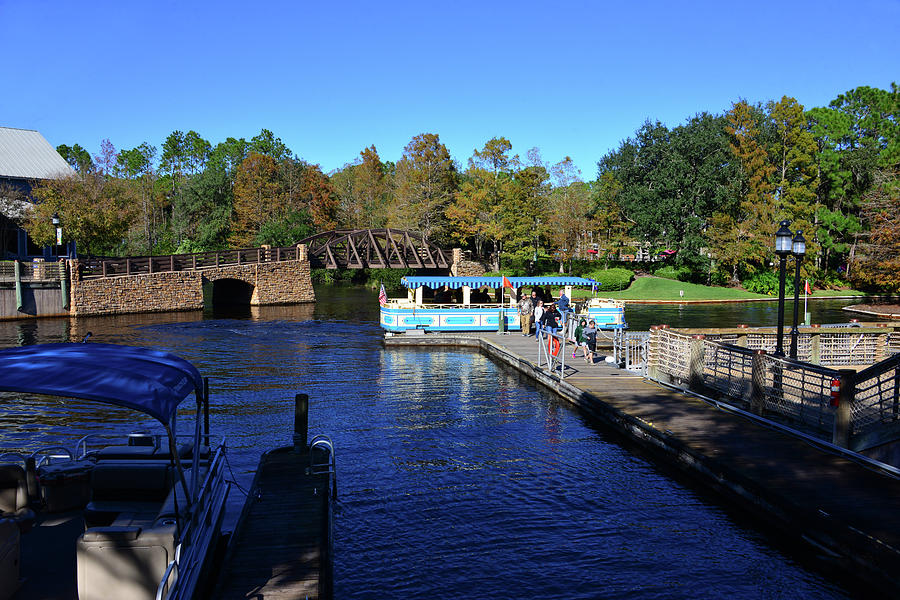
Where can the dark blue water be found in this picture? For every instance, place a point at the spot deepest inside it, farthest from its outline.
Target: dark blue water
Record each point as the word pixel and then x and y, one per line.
pixel 456 477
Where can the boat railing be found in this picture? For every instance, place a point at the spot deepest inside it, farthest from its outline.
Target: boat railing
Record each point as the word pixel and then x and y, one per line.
pixel 47 455
pixel 198 536
pixel 321 444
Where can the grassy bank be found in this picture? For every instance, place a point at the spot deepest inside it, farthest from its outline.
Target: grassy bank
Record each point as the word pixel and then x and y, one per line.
pixel 657 288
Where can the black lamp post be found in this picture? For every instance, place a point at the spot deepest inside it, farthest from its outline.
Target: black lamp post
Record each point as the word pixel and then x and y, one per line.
pixel 55 220
pixel 798 250
pixel 782 249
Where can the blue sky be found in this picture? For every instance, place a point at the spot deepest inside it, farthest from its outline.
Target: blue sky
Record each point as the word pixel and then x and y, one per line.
pixel 330 78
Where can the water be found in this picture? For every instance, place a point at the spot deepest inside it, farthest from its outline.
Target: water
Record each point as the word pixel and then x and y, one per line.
pixel 456 476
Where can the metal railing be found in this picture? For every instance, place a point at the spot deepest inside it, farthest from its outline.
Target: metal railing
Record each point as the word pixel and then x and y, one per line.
pixel 140 265
pixel 876 399
pixel 199 537
pixel 31 271
pixel 631 349
pixel 855 410
pixel 552 352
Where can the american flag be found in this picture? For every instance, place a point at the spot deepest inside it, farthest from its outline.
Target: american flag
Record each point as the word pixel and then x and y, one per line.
pixel 382 296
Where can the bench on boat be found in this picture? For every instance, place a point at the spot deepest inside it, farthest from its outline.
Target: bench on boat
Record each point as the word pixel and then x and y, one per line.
pixel 131 529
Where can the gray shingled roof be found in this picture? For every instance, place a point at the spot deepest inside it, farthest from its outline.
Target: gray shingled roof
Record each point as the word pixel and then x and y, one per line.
pixel 25 154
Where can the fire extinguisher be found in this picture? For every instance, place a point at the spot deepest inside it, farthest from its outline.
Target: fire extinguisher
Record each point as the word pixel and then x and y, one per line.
pixel 835 393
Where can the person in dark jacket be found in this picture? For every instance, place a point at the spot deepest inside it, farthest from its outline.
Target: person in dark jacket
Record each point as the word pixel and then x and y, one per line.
pixel 550 319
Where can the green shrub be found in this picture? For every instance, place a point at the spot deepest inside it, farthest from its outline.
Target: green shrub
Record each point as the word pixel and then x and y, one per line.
pixel 612 280
pixel 322 276
pixel 766 282
pixel 673 272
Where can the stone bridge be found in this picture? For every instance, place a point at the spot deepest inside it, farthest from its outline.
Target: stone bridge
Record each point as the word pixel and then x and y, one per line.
pixel 258 277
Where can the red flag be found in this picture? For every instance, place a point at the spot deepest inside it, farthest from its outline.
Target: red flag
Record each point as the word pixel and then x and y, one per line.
pixel 806 288
pixel 506 283
pixel 382 296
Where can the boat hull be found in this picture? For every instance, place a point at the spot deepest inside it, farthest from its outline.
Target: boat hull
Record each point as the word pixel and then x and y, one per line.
pixel 398 319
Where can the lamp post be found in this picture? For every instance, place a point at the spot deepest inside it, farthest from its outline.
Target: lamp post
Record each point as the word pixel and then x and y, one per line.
pixel 798 250
pixel 782 249
pixel 55 220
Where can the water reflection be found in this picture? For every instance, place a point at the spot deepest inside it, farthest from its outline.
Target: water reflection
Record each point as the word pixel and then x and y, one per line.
pixel 457 477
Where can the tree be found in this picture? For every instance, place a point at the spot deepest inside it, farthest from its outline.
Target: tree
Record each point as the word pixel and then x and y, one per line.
pixel 740 232
pixel 570 207
pixel 796 175
pixel 96 212
pixel 481 211
pixel 77 157
pixel 425 182
pixel 257 196
pixel 268 145
pixel 361 191
pixel 136 165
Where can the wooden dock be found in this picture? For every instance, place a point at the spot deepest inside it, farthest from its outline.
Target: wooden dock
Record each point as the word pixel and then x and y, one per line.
pixel 835 509
pixel 282 546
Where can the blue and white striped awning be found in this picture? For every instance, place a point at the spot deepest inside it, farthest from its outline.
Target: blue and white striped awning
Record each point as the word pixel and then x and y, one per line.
pixel 454 283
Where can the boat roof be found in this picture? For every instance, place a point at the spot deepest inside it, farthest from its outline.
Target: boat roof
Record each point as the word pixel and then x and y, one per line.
pixel 415 281
pixel 149 381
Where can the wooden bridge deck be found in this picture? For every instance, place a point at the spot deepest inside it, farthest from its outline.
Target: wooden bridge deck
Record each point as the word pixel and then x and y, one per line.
pixel 281 545
pixel 839 510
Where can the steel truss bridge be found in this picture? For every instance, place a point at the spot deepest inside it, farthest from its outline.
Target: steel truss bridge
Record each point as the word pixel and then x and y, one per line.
pixel 374 249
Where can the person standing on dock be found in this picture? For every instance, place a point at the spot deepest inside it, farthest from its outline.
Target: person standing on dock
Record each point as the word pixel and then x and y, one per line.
pixel 589 333
pixel 550 319
pixel 564 308
pixel 526 314
pixel 538 319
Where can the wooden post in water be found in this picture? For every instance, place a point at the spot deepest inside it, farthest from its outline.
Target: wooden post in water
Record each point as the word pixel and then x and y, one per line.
pixel 758 383
pixel 301 420
pixel 842 414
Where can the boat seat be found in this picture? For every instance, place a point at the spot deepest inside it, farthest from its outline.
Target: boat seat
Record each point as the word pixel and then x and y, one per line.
pixel 128 558
pixel 14 496
pixel 123 562
pixel 9 558
pixel 117 487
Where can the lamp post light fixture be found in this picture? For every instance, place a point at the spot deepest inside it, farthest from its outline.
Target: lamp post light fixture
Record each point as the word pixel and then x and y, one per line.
pixel 55 220
pixel 798 249
pixel 782 249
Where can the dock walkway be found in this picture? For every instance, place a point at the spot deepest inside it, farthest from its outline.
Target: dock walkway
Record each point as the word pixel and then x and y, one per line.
pixel 281 543
pixel 845 511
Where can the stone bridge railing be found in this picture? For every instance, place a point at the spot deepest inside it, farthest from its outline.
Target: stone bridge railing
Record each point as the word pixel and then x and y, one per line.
pixel 92 267
pixel 103 286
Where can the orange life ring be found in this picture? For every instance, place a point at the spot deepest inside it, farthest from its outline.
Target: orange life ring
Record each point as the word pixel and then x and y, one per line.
pixel 553 346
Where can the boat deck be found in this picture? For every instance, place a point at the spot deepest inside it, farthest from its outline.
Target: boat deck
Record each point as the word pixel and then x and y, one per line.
pixel 845 511
pixel 281 545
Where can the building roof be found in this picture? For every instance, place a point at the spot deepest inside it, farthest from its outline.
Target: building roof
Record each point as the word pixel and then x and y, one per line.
pixel 25 154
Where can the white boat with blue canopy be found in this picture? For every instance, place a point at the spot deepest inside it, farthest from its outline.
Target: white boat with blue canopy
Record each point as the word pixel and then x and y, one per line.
pixel 135 519
pixel 447 303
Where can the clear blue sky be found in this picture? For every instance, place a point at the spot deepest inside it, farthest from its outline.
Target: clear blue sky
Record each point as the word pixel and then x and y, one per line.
pixel 330 78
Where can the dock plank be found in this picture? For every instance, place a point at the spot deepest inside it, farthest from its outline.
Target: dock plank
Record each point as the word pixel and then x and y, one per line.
pixel 279 548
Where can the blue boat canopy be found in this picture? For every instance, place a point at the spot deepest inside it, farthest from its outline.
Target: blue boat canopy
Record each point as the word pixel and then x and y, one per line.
pixel 149 381
pixel 454 283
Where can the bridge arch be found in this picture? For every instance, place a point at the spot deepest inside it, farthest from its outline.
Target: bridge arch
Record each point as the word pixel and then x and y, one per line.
pixel 375 249
pixel 230 291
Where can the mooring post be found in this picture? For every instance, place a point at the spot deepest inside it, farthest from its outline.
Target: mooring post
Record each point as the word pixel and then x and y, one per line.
pixel 842 413
pixel 301 420
pixel 758 383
